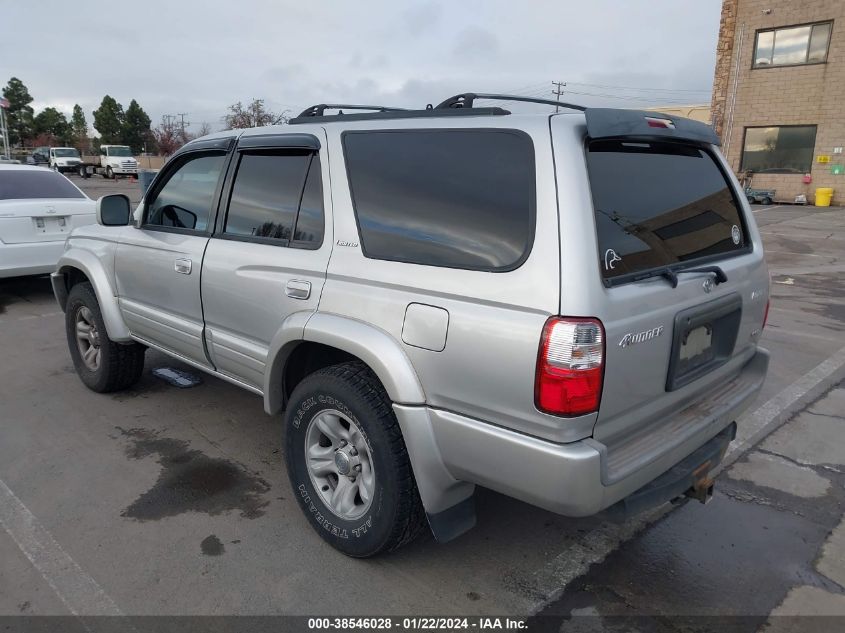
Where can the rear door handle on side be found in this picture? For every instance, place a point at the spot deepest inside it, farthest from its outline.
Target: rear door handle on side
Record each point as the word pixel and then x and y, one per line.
pixel 182 265
pixel 298 289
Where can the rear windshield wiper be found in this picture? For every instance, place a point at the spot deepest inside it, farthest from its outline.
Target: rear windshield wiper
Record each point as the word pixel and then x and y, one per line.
pixel 672 275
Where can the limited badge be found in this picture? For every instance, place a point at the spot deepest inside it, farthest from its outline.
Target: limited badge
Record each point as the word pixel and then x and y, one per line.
pixel 736 236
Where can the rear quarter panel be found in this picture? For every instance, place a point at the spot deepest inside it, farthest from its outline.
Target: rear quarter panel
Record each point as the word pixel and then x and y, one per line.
pixel 486 369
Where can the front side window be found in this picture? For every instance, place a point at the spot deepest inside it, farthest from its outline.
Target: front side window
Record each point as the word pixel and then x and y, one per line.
pixel 779 150
pixel 277 197
pixel 659 204
pixel 793 45
pixel 455 198
pixel 185 201
pixel 23 184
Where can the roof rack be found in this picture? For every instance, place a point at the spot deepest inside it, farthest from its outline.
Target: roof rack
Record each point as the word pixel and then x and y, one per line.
pixel 466 100
pixel 315 114
pixel 320 109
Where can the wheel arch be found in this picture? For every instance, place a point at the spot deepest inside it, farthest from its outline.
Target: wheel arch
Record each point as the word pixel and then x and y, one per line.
pixel 76 266
pixel 336 339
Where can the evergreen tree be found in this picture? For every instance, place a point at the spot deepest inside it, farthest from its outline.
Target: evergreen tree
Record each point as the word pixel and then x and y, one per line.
pixel 108 119
pixel 53 124
pixel 136 127
pixel 19 112
pixel 79 129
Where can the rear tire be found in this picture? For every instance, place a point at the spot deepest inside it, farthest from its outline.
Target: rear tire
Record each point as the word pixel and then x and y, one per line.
pixel 345 409
pixel 102 364
pixel 109 173
pixel 766 201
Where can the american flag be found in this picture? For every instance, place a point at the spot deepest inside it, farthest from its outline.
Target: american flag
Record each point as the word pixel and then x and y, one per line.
pixel 4 103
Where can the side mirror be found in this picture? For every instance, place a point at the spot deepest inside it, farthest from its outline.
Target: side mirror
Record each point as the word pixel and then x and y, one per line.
pixel 113 210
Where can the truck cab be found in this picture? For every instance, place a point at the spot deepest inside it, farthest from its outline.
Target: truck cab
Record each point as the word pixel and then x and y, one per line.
pixel 63 159
pixel 117 160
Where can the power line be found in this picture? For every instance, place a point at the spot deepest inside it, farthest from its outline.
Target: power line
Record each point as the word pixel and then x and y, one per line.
pixel 642 89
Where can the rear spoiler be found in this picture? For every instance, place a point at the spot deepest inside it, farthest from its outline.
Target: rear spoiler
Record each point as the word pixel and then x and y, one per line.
pixel 606 123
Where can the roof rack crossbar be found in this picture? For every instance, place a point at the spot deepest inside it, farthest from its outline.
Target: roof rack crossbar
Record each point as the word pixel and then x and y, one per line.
pixel 320 108
pixel 466 100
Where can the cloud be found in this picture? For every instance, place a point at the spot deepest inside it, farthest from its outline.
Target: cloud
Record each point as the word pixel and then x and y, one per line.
pixel 199 57
pixel 423 18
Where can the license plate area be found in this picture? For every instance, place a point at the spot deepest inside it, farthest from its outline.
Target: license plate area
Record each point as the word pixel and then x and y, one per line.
pixel 51 225
pixel 703 339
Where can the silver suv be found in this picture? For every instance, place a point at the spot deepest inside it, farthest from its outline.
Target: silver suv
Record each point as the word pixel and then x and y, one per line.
pixel 564 308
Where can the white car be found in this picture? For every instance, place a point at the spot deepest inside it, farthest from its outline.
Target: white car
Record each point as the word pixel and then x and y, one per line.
pixel 38 210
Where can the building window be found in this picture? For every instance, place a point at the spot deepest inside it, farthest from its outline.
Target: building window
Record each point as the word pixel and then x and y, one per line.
pixel 793 45
pixel 779 150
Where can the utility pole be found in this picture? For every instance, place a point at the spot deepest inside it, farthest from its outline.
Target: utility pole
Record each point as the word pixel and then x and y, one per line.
pixel 559 85
pixel 182 116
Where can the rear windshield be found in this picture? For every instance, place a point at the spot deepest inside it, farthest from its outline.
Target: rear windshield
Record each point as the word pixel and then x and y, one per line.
pixel 24 184
pixel 658 204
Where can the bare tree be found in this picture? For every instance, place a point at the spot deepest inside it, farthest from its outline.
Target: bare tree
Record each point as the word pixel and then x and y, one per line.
pixel 254 114
pixel 169 136
pixel 203 130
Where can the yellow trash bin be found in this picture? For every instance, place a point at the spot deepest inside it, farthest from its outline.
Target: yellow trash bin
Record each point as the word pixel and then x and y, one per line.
pixel 823 196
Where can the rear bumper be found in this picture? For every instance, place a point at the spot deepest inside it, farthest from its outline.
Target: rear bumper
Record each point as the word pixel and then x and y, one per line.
pixel 32 258
pixel 572 479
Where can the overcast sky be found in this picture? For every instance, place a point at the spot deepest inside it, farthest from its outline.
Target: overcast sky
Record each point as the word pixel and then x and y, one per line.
pixel 198 57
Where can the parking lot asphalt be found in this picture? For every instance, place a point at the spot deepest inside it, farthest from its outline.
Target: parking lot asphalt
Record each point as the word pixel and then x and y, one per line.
pixel 162 500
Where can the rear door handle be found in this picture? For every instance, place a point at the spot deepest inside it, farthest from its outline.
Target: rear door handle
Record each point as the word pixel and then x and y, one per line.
pixel 298 289
pixel 182 265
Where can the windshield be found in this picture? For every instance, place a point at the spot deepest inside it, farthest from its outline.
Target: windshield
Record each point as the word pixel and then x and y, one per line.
pixel 658 204
pixel 25 184
pixel 66 151
pixel 119 150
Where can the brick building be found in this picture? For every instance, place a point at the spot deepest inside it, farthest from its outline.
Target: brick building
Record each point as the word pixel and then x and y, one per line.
pixel 779 93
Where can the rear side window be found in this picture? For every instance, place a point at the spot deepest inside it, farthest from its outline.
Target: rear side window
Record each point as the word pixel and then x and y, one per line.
pixel 25 184
pixel 277 198
pixel 456 198
pixel 658 204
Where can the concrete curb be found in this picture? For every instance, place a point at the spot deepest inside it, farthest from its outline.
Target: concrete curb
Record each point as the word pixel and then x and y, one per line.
pixel 766 419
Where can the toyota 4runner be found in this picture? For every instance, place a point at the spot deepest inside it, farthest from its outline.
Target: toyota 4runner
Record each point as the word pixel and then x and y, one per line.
pixel 564 308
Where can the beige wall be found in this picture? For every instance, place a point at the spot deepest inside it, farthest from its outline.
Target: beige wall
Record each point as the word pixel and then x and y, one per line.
pixel 694 112
pixel 797 95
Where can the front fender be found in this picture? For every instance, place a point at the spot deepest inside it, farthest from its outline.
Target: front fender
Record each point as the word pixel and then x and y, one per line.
pixel 380 351
pixel 92 267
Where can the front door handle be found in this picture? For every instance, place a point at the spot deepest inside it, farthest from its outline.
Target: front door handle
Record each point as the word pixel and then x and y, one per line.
pixel 298 289
pixel 182 265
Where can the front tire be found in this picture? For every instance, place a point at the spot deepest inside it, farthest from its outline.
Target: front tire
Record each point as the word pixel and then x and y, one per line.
pixel 102 365
pixel 109 173
pixel 348 464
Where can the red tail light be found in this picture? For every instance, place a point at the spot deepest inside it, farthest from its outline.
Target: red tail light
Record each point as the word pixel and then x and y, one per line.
pixel 570 365
pixel 766 314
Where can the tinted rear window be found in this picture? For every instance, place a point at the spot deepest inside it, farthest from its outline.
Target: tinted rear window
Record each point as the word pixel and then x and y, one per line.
pixel 25 184
pixel 659 204
pixel 456 198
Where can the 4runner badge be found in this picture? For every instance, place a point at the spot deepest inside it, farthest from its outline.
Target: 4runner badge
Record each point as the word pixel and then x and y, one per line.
pixel 640 337
pixel 345 243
